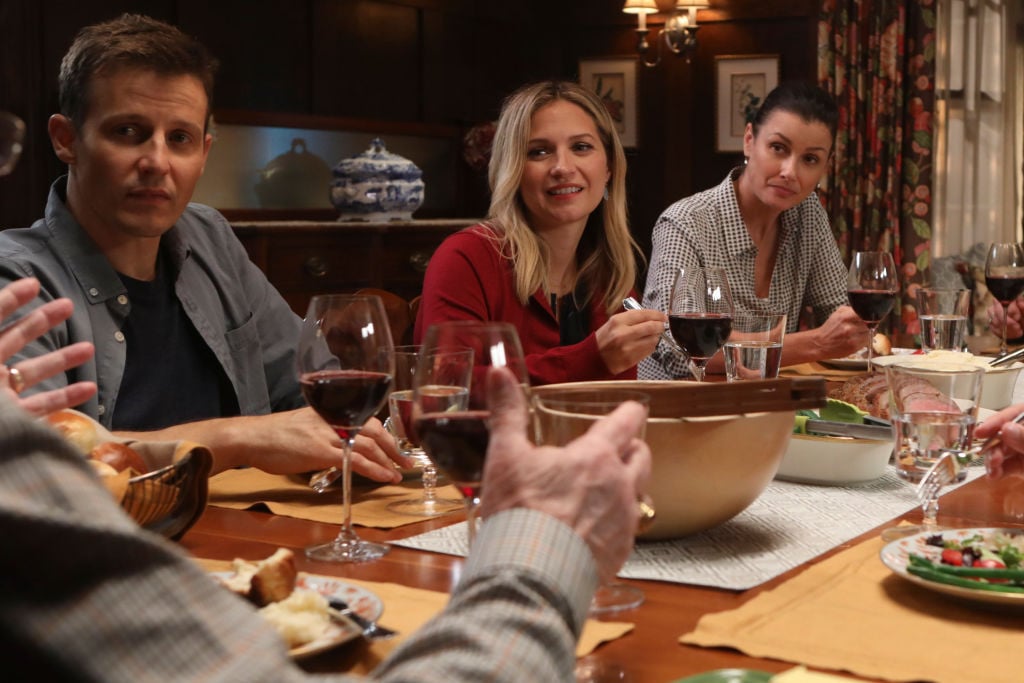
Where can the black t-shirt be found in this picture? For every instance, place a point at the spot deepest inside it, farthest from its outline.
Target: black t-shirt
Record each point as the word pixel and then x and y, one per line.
pixel 171 376
pixel 573 323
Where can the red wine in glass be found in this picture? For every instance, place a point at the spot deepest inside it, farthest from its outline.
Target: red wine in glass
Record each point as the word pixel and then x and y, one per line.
pixel 455 438
pixel 1004 276
pixel 457 443
pixel 871 305
pixel 1005 289
pixel 345 362
pixel 345 399
pixel 872 283
pixel 700 314
pixel 701 335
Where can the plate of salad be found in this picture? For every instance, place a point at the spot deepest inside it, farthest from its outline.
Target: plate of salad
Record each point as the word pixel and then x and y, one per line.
pixel 981 564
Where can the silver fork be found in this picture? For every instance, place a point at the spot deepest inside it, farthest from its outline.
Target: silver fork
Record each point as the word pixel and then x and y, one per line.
pixel 371 629
pixel 943 471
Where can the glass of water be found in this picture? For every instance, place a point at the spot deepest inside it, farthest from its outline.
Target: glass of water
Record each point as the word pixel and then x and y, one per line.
pixel 943 315
pixel 754 347
pixel 932 409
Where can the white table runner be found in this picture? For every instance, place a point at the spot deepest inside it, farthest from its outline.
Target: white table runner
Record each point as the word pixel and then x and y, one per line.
pixel 786 526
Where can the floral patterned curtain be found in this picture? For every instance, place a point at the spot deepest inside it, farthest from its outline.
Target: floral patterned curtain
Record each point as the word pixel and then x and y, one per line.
pixel 877 57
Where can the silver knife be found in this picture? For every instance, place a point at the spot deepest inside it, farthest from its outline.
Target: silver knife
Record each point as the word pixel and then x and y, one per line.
pixel 857 431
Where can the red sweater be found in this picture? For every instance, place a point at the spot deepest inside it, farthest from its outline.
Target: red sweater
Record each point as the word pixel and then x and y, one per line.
pixel 469 280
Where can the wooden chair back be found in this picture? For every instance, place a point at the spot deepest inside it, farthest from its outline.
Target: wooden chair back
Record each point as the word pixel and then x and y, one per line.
pixel 400 315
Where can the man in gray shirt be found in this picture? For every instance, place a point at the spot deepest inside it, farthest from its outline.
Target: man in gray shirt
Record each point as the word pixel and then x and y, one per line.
pixel 192 341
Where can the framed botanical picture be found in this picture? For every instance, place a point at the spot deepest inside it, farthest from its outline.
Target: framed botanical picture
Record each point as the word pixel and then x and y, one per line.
pixel 741 83
pixel 614 81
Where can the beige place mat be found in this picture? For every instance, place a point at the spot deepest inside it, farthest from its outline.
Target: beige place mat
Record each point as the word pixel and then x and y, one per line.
pixel 407 609
pixel 291 496
pixel 850 613
pixel 817 369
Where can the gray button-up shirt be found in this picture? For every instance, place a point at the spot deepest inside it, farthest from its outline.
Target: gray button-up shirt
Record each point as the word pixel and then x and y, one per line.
pixel 707 230
pixel 238 313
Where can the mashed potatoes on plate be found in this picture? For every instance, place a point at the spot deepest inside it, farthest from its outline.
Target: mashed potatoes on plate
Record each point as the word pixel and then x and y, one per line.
pixel 300 618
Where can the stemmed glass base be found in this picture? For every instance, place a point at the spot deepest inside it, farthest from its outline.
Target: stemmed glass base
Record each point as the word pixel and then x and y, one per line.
pixel 697 369
pixel 347 547
pixel 1003 348
pixel 593 670
pixel 871 346
pixel 427 504
pixel 615 597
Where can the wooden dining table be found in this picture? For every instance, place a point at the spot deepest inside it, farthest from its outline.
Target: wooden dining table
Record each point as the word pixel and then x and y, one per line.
pixel 651 652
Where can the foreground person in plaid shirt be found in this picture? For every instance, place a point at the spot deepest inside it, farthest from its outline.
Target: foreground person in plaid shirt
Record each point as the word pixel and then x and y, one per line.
pixel 765 225
pixel 87 595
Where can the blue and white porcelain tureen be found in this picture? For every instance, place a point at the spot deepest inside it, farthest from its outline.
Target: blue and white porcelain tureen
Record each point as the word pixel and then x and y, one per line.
pixel 376 186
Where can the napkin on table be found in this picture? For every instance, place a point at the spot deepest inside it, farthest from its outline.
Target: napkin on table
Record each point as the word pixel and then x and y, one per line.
pixel 819 370
pixel 291 496
pixel 851 613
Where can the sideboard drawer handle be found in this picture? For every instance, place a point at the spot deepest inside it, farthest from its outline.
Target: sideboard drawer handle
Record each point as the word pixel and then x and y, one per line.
pixel 316 266
pixel 419 261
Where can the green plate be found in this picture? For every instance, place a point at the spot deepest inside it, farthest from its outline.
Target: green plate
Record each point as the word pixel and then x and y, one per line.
pixel 729 676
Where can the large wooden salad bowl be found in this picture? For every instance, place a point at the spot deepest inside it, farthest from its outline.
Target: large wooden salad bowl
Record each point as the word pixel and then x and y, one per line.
pixel 715 446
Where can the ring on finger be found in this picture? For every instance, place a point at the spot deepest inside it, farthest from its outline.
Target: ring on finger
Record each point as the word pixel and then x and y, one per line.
pixel 646 512
pixel 16 380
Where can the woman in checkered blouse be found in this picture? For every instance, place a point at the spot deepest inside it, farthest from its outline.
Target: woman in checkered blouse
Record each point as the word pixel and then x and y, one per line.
pixel 766 226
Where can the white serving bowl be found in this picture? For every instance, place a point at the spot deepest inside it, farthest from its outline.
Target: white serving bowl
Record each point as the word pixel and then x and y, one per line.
pixel 706 470
pixel 996 387
pixel 834 460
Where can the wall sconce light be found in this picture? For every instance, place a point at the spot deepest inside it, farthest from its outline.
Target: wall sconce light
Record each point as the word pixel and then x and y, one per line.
pixel 679 33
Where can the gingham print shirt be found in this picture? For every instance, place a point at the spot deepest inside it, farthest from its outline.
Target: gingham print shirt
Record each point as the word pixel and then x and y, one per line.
pixel 707 230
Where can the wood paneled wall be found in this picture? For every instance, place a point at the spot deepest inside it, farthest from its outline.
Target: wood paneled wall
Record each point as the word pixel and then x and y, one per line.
pixel 425 61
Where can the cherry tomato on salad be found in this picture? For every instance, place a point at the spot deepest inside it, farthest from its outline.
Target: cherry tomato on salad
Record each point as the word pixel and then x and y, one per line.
pixel 953 557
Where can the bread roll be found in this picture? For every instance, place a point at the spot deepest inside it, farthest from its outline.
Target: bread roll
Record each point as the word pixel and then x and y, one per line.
pixel 881 345
pixel 76 428
pixel 119 456
pixel 102 468
pixel 265 581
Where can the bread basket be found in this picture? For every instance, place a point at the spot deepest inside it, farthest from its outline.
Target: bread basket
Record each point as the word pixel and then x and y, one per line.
pixel 170 499
pixel 169 496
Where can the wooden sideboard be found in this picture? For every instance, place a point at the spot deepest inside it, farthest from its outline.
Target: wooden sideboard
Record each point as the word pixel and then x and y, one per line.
pixel 303 258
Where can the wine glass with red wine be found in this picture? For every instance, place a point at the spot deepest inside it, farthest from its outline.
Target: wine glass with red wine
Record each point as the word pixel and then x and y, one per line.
pixel 448 389
pixel 1004 277
pixel 872 284
pixel 456 437
pixel 346 362
pixel 700 314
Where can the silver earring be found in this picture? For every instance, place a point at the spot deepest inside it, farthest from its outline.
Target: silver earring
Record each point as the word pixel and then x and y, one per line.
pixel 745 160
pixel 606 193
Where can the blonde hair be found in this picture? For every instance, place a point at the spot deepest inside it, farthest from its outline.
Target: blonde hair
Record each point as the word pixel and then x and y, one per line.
pixel 606 250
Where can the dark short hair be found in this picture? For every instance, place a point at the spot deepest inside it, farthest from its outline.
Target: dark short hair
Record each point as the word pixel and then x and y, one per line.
pixel 807 101
pixel 130 41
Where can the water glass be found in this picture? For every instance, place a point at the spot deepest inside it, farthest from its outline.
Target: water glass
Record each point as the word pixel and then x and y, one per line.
pixel 754 347
pixel 932 409
pixel 564 415
pixel 943 314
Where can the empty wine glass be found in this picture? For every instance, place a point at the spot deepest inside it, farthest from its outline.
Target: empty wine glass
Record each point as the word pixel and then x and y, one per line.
pixel 871 284
pixel 456 438
pixel 346 363
pixel 565 414
pixel 448 390
pixel 700 314
pixel 933 410
pixel 1004 277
